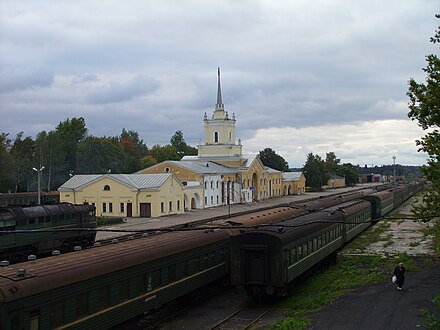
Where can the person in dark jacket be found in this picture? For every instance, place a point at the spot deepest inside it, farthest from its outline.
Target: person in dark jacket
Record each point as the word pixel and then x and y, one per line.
pixel 399 272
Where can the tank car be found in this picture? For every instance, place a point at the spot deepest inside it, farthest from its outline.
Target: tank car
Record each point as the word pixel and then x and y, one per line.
pixel 40 229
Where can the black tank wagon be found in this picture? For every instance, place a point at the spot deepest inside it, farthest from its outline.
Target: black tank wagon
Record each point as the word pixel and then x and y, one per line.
pixel 40 229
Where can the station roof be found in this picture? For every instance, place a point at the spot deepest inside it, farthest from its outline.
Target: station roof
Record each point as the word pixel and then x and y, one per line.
pixel 291 176
pixel 137 181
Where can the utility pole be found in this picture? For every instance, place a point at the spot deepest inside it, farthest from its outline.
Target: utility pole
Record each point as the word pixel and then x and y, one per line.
pixel 39 182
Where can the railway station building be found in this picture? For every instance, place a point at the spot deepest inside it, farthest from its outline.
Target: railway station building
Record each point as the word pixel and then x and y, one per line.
pixel 225 174
pixel 220 174
pixel 126 195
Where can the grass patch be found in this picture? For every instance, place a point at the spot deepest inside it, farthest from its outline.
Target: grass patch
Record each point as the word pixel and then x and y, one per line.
pixel 107 221
pixel 371 235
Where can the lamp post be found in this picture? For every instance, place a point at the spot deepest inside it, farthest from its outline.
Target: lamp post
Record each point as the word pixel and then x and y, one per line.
pixel 39 182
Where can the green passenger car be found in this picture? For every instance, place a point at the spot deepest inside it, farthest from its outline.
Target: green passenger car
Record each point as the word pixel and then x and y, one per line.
pixel 265 261
pixel 102 287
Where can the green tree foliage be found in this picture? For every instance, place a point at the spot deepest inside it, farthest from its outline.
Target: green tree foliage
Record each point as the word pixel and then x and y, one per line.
pixel 182 148
pixel 22 153
pixel 100 155
pixel 331 163
pixel 271 159
pixel 163 153
pixel 134 149
pixel 70 150
pixel 67 139
pixel 315 172
pixel 424 105
pixel 6 165
pixel 350 172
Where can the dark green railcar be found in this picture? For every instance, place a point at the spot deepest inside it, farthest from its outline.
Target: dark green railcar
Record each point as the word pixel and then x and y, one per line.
pixel 102 287
pixel 41 229
pixel 266 260
pixel 381 203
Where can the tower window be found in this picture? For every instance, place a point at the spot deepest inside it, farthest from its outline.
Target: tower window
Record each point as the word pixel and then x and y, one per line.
pixel 215 136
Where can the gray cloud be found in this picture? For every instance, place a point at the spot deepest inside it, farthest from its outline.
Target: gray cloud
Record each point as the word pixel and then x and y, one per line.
pixel 297 65
pixel 120 92
pixel 22 78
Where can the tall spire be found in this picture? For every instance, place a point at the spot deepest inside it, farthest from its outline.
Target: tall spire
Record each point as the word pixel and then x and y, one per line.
pixel 219 105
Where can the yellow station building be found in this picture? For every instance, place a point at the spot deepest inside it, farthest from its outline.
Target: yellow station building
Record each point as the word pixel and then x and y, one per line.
pixel 130 195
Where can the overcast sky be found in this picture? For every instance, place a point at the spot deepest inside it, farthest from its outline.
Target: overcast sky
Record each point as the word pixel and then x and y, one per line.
pixel 301 76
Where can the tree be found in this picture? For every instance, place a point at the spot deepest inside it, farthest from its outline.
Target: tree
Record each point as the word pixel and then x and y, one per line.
pixel 163 153
pixel 315 173
pixel 99 155
pixel 350 172
pixel 182 148
pixel 67 138
pixel 6 165
pixel 23 154
pixel 271 159
pixel 134 149
pixel 424 105
pixel 331 162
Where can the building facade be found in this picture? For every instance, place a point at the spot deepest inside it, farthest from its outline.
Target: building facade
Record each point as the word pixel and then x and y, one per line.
pixel 126 195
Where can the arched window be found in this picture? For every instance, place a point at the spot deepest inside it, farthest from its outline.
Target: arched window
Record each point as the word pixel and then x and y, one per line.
pixel 106 187
pixel 215 136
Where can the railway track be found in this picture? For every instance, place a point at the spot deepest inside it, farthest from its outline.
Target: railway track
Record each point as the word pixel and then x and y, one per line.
pixel 243 318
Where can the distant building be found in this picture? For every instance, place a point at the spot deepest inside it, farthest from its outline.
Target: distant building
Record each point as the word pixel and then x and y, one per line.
pixel 294 183
pixel 368 178
pixel 335 181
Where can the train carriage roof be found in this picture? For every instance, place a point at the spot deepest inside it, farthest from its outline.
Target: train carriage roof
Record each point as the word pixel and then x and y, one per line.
pixel 297 228
pixel 275 215
pixel 300 227
pixel 380 195
pixel 59 271
pixel 325 202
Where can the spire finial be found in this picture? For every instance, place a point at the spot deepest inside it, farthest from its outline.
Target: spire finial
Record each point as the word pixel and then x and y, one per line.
pixel 219 91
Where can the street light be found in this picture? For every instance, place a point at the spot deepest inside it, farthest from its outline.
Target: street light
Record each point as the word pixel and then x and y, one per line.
pixel 39 182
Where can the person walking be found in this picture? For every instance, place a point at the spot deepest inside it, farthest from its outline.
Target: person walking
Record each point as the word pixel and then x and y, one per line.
pixel 399 272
